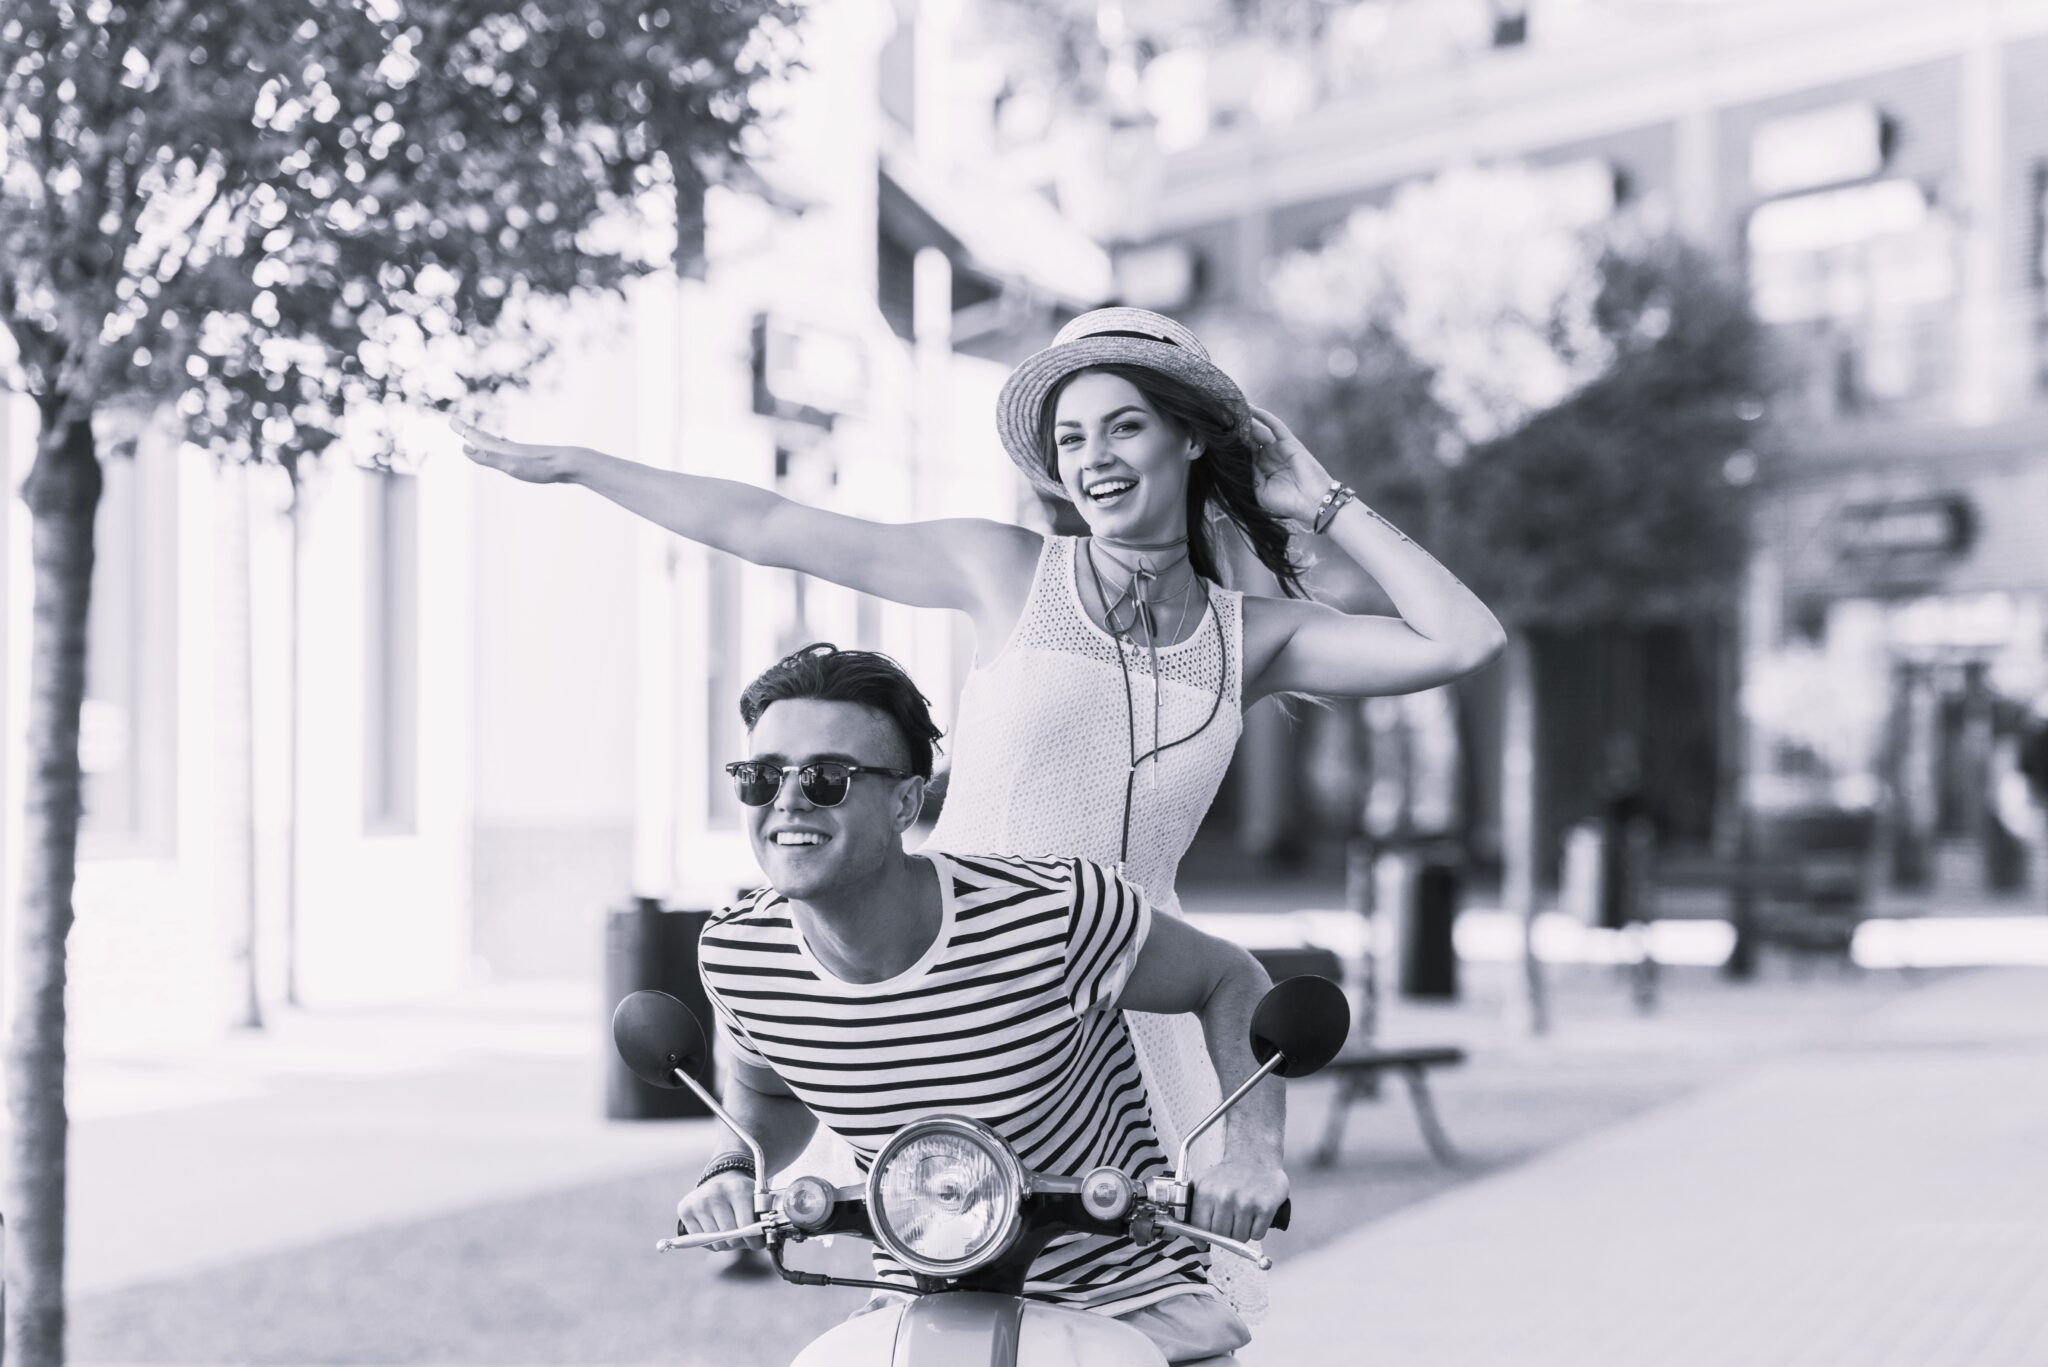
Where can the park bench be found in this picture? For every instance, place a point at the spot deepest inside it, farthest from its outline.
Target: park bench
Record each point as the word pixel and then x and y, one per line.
pixel 1358 1069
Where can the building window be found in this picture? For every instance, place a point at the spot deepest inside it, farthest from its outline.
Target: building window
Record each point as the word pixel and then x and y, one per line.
pixel 391 654
pixel 898 86
pixel 1863 280
pixel 2037 270
pixel 128 733
pixel 2038 257
pixel 1510 23
pixel 725 735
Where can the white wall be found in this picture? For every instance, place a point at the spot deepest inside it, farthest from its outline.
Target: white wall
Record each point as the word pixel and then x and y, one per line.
pixel 158 918
pixel 553 632
pixel 384 916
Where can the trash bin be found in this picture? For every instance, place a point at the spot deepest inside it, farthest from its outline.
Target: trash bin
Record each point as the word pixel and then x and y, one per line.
pixel 1580 881
pixel 647 945
pixel 1429 911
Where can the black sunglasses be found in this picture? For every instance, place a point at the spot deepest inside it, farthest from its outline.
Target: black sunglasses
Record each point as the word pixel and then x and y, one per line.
pixel 824 783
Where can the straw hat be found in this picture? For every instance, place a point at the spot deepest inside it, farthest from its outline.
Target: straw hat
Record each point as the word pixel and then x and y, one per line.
pixel 1105 336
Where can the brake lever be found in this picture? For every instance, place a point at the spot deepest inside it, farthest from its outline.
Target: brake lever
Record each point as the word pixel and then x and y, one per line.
pixel 1250 1252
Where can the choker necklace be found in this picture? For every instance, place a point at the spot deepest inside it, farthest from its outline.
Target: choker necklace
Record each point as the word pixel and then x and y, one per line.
pixel 1143 608
pixel 1139 545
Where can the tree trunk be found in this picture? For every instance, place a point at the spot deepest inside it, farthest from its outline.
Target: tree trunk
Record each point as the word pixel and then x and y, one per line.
pixel 293 634
pixel 1518 821
pixel 235 708
pixel 63 493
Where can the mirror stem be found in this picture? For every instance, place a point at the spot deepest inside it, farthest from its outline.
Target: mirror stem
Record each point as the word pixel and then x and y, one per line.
pixel 1180 1167
pixel 760 1159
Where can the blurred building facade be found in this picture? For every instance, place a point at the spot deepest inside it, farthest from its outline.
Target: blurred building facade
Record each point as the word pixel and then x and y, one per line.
pixel 510 703
pixel 841 340
pixel 1878 173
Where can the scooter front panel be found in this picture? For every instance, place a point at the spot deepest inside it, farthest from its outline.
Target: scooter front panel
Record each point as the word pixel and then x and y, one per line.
pixel 1054 1335
pixel 866 1340
pixel 959 1329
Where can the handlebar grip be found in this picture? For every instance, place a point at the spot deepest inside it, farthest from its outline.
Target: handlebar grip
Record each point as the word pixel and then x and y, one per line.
pixel 1280 1215
pixel 715 1236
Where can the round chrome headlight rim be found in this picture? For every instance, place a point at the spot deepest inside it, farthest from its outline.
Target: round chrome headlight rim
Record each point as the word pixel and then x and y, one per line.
pixel 997 1150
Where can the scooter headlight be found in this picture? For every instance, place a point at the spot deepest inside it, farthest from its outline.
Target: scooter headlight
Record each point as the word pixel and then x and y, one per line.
pixel 944 1196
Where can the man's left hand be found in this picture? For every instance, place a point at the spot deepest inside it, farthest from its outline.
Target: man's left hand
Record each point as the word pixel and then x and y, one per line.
pixel 1237 1198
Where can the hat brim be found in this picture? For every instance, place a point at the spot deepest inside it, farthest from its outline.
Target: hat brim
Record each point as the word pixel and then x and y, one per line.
pixel 1023 395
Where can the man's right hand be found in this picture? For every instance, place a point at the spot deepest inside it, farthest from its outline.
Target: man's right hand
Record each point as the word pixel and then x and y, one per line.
pixel 724 1202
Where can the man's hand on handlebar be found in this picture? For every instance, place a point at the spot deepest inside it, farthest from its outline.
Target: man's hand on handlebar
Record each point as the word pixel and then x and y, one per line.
pixel 724 1202
pixel 1237 1198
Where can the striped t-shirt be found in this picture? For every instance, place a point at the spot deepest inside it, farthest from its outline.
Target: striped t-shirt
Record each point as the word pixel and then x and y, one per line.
pixel 1008 1018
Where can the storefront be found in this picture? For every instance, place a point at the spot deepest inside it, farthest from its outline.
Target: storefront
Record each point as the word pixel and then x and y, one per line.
pixel 1902 652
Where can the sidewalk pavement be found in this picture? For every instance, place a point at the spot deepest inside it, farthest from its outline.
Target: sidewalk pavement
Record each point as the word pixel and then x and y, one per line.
pixel 331 1123
pixel 1884 1201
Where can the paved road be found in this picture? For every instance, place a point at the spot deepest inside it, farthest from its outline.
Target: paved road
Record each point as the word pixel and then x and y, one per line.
pixel 1883 1200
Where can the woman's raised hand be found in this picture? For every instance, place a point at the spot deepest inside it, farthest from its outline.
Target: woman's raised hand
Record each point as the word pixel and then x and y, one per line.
pixel 521 460
pixel 1289 481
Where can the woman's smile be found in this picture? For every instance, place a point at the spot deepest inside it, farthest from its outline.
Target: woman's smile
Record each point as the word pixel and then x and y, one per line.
pixel 1109 490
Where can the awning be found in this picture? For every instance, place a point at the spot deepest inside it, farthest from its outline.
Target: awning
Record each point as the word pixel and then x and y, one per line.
pixel 1000 231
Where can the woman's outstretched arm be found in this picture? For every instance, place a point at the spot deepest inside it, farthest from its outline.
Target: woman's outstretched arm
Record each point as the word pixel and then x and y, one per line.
pixel 1443 633
pixel 970 564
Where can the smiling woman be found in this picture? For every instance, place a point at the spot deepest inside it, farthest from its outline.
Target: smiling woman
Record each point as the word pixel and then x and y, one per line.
pixel 1111 670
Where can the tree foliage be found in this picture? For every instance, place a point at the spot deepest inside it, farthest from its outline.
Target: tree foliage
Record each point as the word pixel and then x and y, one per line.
pixel 1552 407
pixel 287 211
pixel 1626 502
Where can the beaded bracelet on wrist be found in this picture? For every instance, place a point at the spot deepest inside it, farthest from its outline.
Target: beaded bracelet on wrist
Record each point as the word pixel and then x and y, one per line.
pixel 731 1162
pixel 1338 494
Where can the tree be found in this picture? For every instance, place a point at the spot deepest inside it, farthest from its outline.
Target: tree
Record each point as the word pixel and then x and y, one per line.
pixel 292 218
pixel 1587 388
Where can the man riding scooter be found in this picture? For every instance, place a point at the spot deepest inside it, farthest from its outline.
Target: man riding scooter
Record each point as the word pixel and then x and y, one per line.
pixel 868 987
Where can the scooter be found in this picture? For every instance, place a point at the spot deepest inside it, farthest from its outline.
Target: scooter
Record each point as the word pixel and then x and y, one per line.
pixel 947 1198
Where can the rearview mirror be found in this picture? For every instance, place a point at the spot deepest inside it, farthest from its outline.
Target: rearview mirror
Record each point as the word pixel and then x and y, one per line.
pixel 656 1034
pixel 1305 1020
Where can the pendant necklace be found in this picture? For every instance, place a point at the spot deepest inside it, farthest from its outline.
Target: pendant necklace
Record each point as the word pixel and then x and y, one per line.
pixel 1120 634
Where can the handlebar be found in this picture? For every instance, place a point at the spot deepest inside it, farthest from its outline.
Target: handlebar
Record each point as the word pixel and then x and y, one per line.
pixel 772 1224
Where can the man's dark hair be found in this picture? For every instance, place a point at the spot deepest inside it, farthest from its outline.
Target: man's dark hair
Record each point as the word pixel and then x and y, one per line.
pixel 824 672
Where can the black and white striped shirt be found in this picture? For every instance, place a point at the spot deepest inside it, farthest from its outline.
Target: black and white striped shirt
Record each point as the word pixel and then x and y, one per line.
pixel 1008 1018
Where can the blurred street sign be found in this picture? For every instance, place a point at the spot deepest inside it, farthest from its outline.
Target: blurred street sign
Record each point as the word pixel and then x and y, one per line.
pixel 1938 526
pixel 1828 146
pixel 805 373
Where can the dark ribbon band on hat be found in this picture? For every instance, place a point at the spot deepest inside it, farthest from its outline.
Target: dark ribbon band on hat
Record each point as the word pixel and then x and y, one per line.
pixel 1134 336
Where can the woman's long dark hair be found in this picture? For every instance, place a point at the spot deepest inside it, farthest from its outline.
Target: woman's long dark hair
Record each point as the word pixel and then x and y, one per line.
pixel 1223 474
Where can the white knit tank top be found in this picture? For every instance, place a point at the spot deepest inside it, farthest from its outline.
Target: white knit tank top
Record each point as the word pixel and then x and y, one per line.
pixel 1041 749
pixel 1042 744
